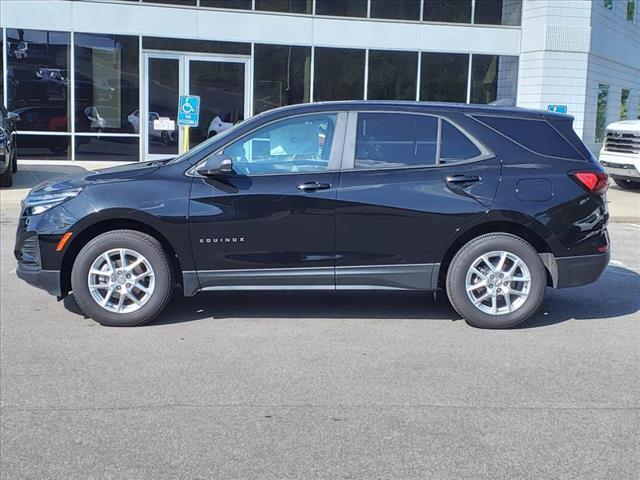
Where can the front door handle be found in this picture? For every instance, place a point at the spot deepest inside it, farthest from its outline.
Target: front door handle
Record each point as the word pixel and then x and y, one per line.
pixel 313 186
pixel 462 178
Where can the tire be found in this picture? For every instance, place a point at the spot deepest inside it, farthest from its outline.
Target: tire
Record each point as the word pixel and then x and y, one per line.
pixel 14 164
pixel 491 245
pixel 150 304
pixel 6 179
pixel 627 184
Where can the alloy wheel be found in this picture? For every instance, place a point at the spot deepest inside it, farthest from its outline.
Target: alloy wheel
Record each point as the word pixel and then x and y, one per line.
pixel 121 280
pixel 498 282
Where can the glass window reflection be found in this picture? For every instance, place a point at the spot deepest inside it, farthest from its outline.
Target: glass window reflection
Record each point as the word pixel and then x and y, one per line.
pixel 107 148
pixel 237 4
pixel 338 74
pixel 398 9
pixel 342 8
pixel 38 79
pixel 452 11
pixel 443 77
pixel 281 76
pixel 494 79
pixel 285 6
pixel 107 82
pixel 498 12
pixel 44 147
pixel 392 75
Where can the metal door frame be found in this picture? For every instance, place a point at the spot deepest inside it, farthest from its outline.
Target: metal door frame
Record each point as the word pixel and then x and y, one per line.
pixel 184 58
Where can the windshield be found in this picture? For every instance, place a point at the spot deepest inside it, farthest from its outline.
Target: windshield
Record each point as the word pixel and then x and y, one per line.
pixel 204 145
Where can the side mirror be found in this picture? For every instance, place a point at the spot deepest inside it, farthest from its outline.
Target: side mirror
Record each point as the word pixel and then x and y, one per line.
pixel 13 117
pixel 215 165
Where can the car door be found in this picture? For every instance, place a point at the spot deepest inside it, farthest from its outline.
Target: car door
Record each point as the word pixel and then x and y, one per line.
pixel 409 181
pixel 271 224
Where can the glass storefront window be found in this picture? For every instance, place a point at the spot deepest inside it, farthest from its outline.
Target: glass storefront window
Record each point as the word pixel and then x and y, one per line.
pixel 494 79
pixel 443 77
pixel 237 4
pixel 498 12
pixel 338 74
pixel 286 6
pixel 398 9
pixel 172 2
pixel 281 76
pixel 38 79
pixel 453 11
pixel 107 148
pixel 220 86
pixel 44 147
pixel 195 46
pixel 106 82
pixel 392 75
pixel 342 8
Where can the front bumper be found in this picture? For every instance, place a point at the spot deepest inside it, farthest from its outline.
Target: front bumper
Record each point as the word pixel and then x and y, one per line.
pixel 580 270
pixel 626 167
pixel 48 280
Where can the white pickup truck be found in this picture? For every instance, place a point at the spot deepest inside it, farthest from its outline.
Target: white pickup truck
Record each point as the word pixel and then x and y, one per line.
pixel 620 153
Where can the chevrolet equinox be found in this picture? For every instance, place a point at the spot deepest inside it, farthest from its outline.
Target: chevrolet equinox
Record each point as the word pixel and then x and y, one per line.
pixel 492 205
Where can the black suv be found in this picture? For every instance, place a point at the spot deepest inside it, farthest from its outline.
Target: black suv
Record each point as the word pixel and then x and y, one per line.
pixel 490 204
pixel 8 147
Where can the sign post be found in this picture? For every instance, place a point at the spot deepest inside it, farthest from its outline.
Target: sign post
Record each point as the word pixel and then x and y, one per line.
pixel 188 115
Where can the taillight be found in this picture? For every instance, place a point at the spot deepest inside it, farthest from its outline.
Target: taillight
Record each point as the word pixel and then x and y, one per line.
pixel 594 182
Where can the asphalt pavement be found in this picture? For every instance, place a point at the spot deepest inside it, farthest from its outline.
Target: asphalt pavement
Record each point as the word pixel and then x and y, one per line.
pixel 323 386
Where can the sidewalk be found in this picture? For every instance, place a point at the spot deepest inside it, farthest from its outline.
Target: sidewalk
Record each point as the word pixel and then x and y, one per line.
pixel 624 205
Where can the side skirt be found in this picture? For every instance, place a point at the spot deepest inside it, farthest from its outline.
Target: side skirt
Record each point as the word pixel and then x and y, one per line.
pixel 366 277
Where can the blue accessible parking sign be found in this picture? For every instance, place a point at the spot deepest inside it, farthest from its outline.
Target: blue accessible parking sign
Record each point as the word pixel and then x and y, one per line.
pixel 557 108
pixel 188 110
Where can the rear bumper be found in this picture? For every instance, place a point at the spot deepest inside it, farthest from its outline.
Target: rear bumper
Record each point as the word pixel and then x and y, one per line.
pixel 580 270
pixel 48 280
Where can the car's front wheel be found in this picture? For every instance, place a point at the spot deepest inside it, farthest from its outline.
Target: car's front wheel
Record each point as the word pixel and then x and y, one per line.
pixel 122 278
pixel 496 281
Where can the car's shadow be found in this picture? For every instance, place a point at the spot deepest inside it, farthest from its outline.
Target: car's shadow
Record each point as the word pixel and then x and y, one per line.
pixel 616 294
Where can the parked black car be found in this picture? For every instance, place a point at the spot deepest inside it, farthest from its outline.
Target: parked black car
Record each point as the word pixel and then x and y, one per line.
pixel 490 204
pixel 8 147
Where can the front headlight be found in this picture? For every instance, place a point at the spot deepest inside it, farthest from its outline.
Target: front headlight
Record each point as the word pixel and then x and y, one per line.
pixel 41 202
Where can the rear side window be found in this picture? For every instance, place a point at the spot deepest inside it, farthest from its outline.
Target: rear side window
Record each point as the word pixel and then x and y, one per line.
pixel 535 135
pixel 455 145
pixel 387 140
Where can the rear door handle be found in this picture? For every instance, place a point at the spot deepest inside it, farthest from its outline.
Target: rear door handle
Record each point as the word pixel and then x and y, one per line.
pixel 462 178
pixel 313 186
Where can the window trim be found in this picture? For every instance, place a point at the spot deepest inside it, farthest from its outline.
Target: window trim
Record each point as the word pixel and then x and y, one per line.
pixel 349 157
pixel 334 158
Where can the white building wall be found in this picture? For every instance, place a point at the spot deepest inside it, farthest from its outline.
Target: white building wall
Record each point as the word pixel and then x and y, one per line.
pixel 568 47
pixel 555 56
pixel 614 60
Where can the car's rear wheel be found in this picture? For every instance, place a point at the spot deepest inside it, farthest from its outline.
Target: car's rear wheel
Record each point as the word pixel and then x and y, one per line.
pixel 627 184
pixel 122 278
pixel 496 281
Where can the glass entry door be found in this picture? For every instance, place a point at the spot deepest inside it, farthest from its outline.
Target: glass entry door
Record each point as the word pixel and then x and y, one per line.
pixel 222 83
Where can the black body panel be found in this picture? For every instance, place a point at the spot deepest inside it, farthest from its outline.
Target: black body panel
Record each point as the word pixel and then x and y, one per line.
pixel 392 228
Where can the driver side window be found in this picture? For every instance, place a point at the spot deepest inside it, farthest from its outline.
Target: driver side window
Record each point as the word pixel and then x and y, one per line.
pixel 295 145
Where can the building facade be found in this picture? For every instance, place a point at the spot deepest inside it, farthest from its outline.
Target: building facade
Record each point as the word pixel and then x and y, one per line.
pixel 100 80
